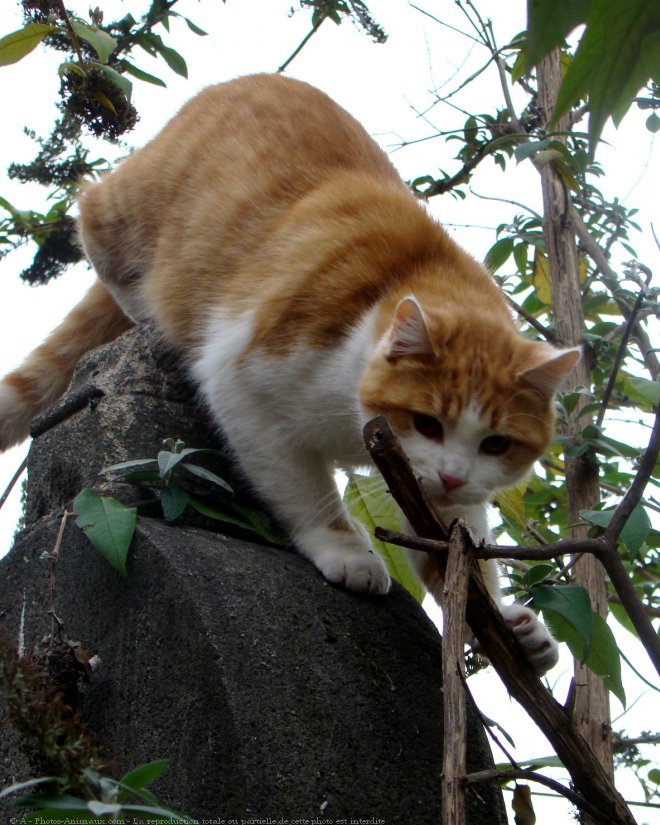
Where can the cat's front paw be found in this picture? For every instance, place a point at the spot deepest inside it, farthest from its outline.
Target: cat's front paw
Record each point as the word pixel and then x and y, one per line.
pixel 360 572
pixel 533 636
pixel 345 559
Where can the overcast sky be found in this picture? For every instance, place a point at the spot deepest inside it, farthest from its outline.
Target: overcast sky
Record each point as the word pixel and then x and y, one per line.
pixel 384 86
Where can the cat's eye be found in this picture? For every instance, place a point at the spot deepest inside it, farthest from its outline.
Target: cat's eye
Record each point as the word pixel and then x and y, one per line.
pixel 495 445
pixel 428 426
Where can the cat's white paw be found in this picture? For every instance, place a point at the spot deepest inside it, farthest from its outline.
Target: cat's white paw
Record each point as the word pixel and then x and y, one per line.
pixel 533 636
pixel 361 572
pixel 345 559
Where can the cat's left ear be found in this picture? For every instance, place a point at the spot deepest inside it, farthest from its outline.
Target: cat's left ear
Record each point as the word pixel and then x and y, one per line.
pixel 408 334
pixel 548 375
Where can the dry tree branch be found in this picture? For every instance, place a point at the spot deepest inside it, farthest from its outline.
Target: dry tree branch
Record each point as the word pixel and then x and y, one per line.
pixel 14 479
pixel 612 281
pixel 589 778
pixel 533 776
pixel 457 577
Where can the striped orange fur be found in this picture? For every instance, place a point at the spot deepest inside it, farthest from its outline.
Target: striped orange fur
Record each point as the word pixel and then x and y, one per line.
pixel 268 238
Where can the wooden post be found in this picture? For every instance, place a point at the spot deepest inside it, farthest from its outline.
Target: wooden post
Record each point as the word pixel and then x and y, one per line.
pixel 457 577
pixel 591 708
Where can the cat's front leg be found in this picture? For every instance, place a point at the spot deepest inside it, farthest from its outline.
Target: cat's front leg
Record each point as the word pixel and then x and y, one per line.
pixel 303 495
pixel 341 550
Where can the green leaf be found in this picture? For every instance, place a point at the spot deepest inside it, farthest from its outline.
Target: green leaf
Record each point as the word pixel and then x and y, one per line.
pixel 571 604
pixel 142 477
pixel 621 615
pixel 530 149
pixel 243 517
pixel 141 777
pixel 68 804
pixel 605 659
pixel 537 574
pixel 641 389
pixel 371 505
pixel 109 525
pixel 635 531
pixel 157 814
pixel 174 60
pixel 612 60
pixel 541 279
pixel 549 22
pixel 207 475
pixel 491 723
pixel 65 817
pixel 102 43
pixel 173 501
pixel 124 465
pixel 69 66
pixel 101 808
pixel 139 74
pixel 511 503
pixel 153 44
pixel 520 257
pixel 14 46
pixel 29 783
pixel 194 28
pixel 535 763
pixel 118 79
pixel 167 460
pixel 498 254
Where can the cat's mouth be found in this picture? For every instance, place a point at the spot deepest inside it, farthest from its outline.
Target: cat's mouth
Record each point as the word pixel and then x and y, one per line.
pixel 437 492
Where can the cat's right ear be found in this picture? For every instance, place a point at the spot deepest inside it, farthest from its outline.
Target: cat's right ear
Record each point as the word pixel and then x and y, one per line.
pixel 408 334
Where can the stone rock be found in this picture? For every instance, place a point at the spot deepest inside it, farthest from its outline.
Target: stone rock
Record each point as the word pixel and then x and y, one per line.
pixel 274 694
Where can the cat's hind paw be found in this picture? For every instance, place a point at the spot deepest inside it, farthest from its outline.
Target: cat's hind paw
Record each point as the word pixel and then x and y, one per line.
pixel 533 636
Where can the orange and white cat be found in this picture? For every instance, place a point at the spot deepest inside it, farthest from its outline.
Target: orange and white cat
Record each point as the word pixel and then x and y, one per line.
pixel 270 240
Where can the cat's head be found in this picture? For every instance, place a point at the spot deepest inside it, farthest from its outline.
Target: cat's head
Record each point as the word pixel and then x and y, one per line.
pixel 470 399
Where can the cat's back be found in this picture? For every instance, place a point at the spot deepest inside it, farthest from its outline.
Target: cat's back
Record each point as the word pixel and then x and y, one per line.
pixel 262 133
pixel 221 173
pixel 279 124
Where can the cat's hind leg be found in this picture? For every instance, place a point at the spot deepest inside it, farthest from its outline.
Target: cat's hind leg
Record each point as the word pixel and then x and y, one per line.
pixel 45 374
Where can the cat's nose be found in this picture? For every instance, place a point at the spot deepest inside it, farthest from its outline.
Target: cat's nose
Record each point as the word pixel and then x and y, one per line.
pixel 451 482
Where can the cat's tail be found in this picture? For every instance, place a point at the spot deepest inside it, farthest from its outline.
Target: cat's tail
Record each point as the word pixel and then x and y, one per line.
pixel 45 374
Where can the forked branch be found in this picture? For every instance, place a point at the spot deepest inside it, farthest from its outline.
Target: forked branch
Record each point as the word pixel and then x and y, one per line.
pixel 589 778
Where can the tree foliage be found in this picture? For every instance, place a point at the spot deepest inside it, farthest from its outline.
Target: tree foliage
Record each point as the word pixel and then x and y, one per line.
pixel 618 54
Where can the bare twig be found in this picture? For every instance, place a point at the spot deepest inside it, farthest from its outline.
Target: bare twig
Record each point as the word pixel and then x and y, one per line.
pixel 533 776
pixel 612 280
pixel 548 334
pixel 603 548
pixel 620 355
pixel 301 45
pixel 636 490
pixel 72 35
pixel 14 479
pixel 54 556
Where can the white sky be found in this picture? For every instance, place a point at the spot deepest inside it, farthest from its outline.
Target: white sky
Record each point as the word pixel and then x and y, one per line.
pixel 381 86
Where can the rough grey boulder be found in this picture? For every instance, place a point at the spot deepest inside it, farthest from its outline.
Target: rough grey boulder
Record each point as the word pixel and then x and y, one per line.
pixel 275 695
